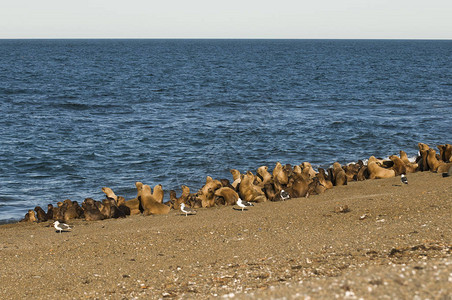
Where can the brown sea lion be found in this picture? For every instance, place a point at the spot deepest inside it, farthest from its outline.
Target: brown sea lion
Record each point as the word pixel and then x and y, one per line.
pixel 30 216
pixel 40 214
pixel 339 176
pixel 49 214
pixel 441 149
pixel 448 153
pixel 306 168
pixel 71 210
pixel 432 161
pixel 404 157
pixel 150 205
pixel 210 184
pixel 444 167
pixel 270 192
pixel 226 183
pixel 264 175
pixel 422 162
pixel 235 174
pixel 351 171
pixel 158 193
pixel 377 172
pixel 280 176
pixel 423 146
pixel 229 195
pixel 182 199
pixel 298 187
pixel 91 211
pixel 106 208
pixel 193 201
pixel 315 187
pixel 207 199
pixel 134 205
pixel 110 194
pixel 248 191
pixel 399 166
pixel 363 174
pixel 297 170
pixel 323 179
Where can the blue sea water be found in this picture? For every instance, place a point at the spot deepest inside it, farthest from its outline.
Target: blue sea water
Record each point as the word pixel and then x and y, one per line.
pixel 77 115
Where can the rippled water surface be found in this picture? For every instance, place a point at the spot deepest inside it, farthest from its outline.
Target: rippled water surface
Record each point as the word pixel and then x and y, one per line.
pixel 77 115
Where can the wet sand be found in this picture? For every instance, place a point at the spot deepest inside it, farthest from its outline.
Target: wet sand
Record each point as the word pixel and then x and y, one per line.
pixel 393 242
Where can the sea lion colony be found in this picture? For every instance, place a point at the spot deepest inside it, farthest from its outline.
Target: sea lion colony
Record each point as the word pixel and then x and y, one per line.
pixel 297 181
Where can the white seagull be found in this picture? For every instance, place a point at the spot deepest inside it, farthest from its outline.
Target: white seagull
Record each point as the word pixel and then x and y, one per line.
pixel 284 195
pixel 61 226
pixel 404 179
pixel 243 204
pixel 187 211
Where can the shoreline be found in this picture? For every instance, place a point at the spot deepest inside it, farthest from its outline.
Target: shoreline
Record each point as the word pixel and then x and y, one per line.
pixel 301 247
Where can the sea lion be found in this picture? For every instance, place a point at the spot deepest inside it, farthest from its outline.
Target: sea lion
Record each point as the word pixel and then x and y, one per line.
pixel 323 179
pixel 280 176
pixel 121 204
pixel 404 157
pixel 351 171
pixel 49 214
pixel 173 198
pixel 248 191
pixel 210 184
pixel 422 162
pixel 399 166
pixel 110 194
pixel 182 199
pixel 236 177
pixel 106 207
pixel 207 198
pixel 339 176
pixel 270 192
pixel 444 167
pixel 134 205
pixel 363 174
pixel 306 168
pixel 150 205
pixel 432 161
pixel 235 174
pixel 91 211
pixel 298 186
pixel 423 146
pixel 71 210
pixel 448 153
pixel 229 195
pixel 193 201
pixel 158 193
pixel 40 214
pixel 226 183
pixel 30 216
pixel 297 170
pixel 264 175
pixel 315 187
pixel 377 172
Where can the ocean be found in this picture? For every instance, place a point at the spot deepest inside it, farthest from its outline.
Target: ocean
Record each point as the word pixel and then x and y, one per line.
pixel 77 115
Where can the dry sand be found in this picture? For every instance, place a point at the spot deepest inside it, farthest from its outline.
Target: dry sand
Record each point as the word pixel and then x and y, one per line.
pixel 394 243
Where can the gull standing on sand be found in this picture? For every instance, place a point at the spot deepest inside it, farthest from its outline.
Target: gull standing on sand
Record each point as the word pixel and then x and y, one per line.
pixel 187 211
pixel 404 179
pixel 243 204
pixel 61 226
pixel 284 195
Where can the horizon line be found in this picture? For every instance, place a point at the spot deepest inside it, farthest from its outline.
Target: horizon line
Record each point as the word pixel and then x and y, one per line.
pixel 210 38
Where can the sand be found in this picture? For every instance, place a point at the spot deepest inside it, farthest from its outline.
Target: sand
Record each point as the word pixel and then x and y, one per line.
pixel 393 242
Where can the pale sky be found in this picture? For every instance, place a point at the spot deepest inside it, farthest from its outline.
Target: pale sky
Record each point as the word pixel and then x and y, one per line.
pixel 375 19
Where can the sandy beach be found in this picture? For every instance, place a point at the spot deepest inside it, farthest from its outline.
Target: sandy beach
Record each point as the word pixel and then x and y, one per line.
pixel 393 242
